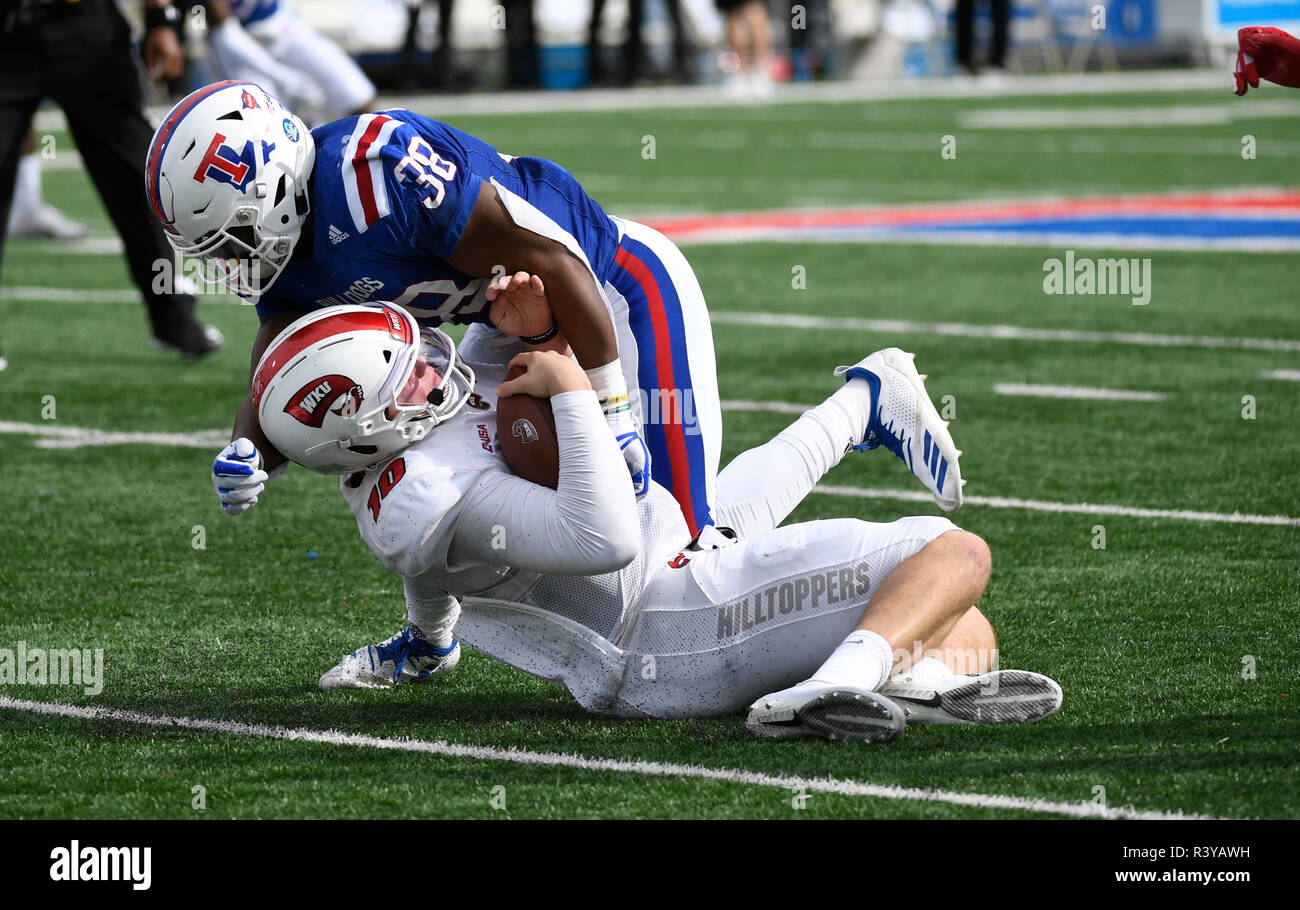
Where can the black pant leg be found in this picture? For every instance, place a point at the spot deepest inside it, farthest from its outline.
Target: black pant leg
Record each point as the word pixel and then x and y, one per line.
pixel 965 33
pixel 595 60
pixel 683 52
pixel 1001 10
pixel 93 76
pixel 20 93
pixel 632 49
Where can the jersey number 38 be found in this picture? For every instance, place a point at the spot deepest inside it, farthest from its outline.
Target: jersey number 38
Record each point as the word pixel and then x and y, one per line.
pixel 428 169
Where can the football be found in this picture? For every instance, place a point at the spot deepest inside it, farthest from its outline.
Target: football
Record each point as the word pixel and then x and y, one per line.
pixel 526 431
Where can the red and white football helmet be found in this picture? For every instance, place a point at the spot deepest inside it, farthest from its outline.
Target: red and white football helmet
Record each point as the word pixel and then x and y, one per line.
pixel 347 387
pixel 227 176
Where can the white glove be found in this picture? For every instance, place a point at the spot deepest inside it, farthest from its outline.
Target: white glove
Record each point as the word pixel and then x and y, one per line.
pixel 635 452
pixel 611 389
pixel 237 475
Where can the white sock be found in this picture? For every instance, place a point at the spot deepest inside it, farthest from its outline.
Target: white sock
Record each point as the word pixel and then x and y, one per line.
pixel 761 486
pixel 863 660
pixel 927 669
pixel 27 187
pixel 434 619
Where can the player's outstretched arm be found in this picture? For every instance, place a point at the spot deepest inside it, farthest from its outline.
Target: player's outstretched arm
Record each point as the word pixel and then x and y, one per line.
pixel 241 469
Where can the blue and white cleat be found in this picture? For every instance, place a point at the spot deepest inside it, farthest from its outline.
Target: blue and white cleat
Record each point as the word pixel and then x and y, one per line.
pixel 998 697
pixel 403 658
pixel 842 713
pixel 905 422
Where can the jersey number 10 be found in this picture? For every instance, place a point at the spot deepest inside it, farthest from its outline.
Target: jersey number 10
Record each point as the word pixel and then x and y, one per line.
pixel 384 485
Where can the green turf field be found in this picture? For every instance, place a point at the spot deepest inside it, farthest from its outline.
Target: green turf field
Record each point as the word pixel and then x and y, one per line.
pixel 1150 637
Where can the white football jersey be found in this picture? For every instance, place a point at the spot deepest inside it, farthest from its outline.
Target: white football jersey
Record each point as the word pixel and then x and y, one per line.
pixel 409 507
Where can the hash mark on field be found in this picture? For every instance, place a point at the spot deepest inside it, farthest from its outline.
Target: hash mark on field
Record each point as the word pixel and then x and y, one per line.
pixel 967 330
pixel 569 760
pixel 1073 391
pixel 1290 375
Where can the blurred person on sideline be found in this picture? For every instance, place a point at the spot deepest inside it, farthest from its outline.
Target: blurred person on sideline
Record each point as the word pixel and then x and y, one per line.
pixel 749 35
pixel 263 41
pixel 1000 11
pixel 78 53
pixel 633 52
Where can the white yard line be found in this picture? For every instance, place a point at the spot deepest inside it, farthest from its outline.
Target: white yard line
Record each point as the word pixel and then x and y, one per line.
pixel 1080 508
pixel 83 295
pixel 706 96
pixel 771 407
pixel 798 321
pixel 1073 391
pixel 569 760
pixel 1289 375
pixel 1088 117
pixel 55 436
pixel 1048 238
pixel 69 295
pixel 1007 332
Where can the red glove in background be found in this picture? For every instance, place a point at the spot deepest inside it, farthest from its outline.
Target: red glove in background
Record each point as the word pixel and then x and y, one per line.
pixel 1269 53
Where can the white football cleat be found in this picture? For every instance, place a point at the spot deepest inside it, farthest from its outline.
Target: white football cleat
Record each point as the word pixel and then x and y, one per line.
pixel 831 712
pixel 905 422
pixel 403 658
pixel 999 697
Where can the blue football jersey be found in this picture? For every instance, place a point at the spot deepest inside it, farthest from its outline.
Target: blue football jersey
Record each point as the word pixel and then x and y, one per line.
pixel 391 193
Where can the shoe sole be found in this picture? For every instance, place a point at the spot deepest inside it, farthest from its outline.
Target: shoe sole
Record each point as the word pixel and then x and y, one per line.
pixel 902 363
pixel 838 715
pixel 1000 697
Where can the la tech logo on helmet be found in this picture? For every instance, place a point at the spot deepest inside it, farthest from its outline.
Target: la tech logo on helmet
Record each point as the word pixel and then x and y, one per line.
pixel 225 165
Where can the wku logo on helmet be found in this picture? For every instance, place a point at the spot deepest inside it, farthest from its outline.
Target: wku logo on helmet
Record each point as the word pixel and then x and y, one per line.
pixel 226 165
pixel 309 404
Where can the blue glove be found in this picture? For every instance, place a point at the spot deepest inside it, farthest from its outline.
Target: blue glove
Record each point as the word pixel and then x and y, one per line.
pixel 237 475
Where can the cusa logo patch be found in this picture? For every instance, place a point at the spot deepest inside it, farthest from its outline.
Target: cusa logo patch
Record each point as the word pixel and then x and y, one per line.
pixel 309 404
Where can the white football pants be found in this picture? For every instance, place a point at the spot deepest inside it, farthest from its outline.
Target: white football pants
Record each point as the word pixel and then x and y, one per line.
pixel 714 630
